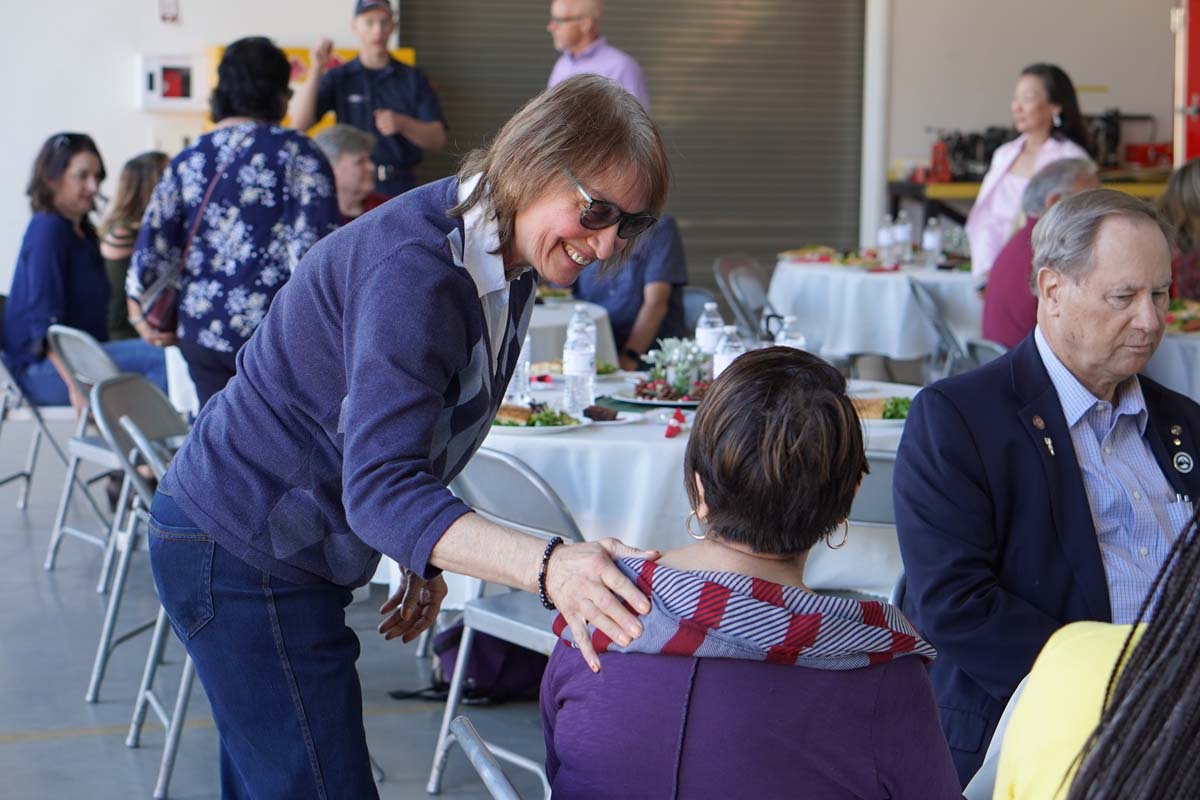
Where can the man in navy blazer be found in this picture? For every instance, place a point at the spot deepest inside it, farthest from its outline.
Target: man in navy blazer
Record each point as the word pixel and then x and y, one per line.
pixel 1048 485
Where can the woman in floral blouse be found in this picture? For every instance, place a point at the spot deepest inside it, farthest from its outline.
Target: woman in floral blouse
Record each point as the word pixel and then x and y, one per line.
pixel 270 196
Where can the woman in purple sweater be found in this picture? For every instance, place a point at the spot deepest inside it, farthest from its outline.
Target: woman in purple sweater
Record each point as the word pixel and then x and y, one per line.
pixel 744 683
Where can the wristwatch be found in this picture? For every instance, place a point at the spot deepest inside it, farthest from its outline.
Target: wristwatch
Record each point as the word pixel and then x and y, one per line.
pixel 629 352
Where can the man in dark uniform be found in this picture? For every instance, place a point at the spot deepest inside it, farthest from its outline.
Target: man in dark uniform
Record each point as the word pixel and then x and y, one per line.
pixel 377 94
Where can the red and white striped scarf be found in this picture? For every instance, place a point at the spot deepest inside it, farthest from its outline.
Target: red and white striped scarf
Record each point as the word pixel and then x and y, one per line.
pixel 728 615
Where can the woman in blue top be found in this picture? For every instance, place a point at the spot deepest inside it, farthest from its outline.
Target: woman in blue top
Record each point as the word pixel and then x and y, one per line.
pixel 272 197
pixel 60 277
pixel 368 387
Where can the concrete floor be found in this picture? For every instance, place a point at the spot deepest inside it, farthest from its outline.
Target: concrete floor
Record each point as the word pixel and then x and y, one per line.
pixel 53 744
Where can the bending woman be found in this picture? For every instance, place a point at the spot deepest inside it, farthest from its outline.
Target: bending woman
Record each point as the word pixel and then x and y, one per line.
pixel 745 683
pixel 368 387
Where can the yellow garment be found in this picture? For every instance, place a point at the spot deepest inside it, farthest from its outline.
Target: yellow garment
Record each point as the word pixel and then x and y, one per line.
pixel 1057 710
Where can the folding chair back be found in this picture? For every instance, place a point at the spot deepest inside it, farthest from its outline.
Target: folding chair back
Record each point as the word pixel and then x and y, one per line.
pixel 950 352
pixel 873 503
pixel 694 298
pixel 131 395
pixel 506 490
pixel 744 283
pixel 82 355
pixel 981 351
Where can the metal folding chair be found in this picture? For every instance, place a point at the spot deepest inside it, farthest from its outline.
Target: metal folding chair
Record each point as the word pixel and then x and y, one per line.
pixel 743 282
pixel 505 490
pixel 87 364
pixel 482 759
pixel 980 351
pixel 694 298
pixel 11 399
pixel 949 357
pixel 128 395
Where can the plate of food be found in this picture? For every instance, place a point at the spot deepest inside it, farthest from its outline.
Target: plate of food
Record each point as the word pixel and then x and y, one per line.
pixel 607 417
pixel 812 254
pixel 658 392
pixel 535 419
pixel 551 371
pixel 553 294
pixel 883 412
pixel 1183 316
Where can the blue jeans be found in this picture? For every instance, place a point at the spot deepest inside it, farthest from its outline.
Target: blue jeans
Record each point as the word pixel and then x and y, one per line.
pixel 42 384
pixel 276 660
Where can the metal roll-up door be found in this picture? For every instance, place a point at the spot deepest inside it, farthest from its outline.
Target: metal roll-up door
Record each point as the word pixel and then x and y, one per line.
pixel 760 104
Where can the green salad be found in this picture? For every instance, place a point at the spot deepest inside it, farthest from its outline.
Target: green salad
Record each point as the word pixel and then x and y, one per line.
pixel 896 407
pixel 543 417
pixel 605 368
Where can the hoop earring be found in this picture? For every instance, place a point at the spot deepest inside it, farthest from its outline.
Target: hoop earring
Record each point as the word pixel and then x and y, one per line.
pixel 845 536
pixel 1058 120
pixel 688 526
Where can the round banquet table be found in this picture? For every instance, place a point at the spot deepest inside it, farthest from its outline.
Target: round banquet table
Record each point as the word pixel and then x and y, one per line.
pixel 548 331
pixel 1176 364
pixel 627 481
pixel 848 311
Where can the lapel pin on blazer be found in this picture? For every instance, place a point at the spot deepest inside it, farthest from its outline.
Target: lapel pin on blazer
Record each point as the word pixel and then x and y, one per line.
pixel 1050 449
pixel 1183 462
pixel 1039 423
pixel 1176 430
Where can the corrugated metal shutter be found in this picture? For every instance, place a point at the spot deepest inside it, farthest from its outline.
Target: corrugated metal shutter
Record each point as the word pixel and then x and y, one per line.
pixel 760 105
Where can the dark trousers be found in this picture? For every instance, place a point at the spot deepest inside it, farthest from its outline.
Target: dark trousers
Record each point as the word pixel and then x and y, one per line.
pixel 277 662
pixel 209 369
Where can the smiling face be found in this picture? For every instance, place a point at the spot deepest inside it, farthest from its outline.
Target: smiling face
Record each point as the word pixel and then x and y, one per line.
pixel 1106 327
pixel 570 27
pixel 1032 111
pixel 549 237
pixel 75 191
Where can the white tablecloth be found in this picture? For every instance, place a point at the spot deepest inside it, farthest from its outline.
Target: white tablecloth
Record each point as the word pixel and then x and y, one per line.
pixel 846 311
pixel 1176 364
pixel 627 481
pixel 548 331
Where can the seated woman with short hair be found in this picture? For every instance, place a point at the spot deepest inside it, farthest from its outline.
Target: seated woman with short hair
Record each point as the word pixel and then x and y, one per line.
pixel 745 683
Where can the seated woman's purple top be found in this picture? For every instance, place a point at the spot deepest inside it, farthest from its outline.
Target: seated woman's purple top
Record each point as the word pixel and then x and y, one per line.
pixel 744 688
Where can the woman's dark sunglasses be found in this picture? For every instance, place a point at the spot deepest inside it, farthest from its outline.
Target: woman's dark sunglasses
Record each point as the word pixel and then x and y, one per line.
pixel 600 214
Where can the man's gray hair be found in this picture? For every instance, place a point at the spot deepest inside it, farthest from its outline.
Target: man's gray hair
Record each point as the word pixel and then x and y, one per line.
pixel 1057 177
pixel 1063 238
pixel 340 140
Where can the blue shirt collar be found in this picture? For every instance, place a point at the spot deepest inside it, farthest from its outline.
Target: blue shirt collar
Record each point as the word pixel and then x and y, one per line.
pixel 589 51
pixel 1077 400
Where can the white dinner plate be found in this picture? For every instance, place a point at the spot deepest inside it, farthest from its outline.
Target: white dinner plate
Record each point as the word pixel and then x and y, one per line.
pixel 539 430
pixel 629 397
pixel 883 423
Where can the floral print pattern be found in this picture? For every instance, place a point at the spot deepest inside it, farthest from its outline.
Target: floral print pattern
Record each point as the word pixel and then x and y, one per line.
pixel 275 199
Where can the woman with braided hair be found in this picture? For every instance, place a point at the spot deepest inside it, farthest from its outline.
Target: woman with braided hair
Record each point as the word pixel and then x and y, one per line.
pixel 1113 711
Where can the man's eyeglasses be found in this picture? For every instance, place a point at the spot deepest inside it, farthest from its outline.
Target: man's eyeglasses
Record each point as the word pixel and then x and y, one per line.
pixel 565 20
pixel 600 214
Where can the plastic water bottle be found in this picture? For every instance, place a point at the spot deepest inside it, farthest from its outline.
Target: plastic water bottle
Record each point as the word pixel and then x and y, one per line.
pixel 518 387
pixel 902 236
pixel 789 334
pixel 709 329
pixel 884 241
pixel 931 243
pixel 579 361
pixel 729 348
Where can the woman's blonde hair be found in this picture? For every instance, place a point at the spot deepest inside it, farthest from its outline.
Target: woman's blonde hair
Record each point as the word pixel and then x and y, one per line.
pixel 138 178
pixel 1180 204
pixel 587 126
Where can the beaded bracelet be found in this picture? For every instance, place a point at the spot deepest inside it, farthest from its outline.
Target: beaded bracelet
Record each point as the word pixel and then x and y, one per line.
pixel 550 545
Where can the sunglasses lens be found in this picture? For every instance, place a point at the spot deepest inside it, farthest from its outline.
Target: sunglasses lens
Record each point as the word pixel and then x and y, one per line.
pixel 633 226
pixel 599 215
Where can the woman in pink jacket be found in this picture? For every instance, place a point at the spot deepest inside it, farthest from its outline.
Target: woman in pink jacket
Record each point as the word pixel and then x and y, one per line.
pixel 1046 114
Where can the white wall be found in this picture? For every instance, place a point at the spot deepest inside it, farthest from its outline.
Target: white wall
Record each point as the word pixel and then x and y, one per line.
pixel 69 65
pixel 954 62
